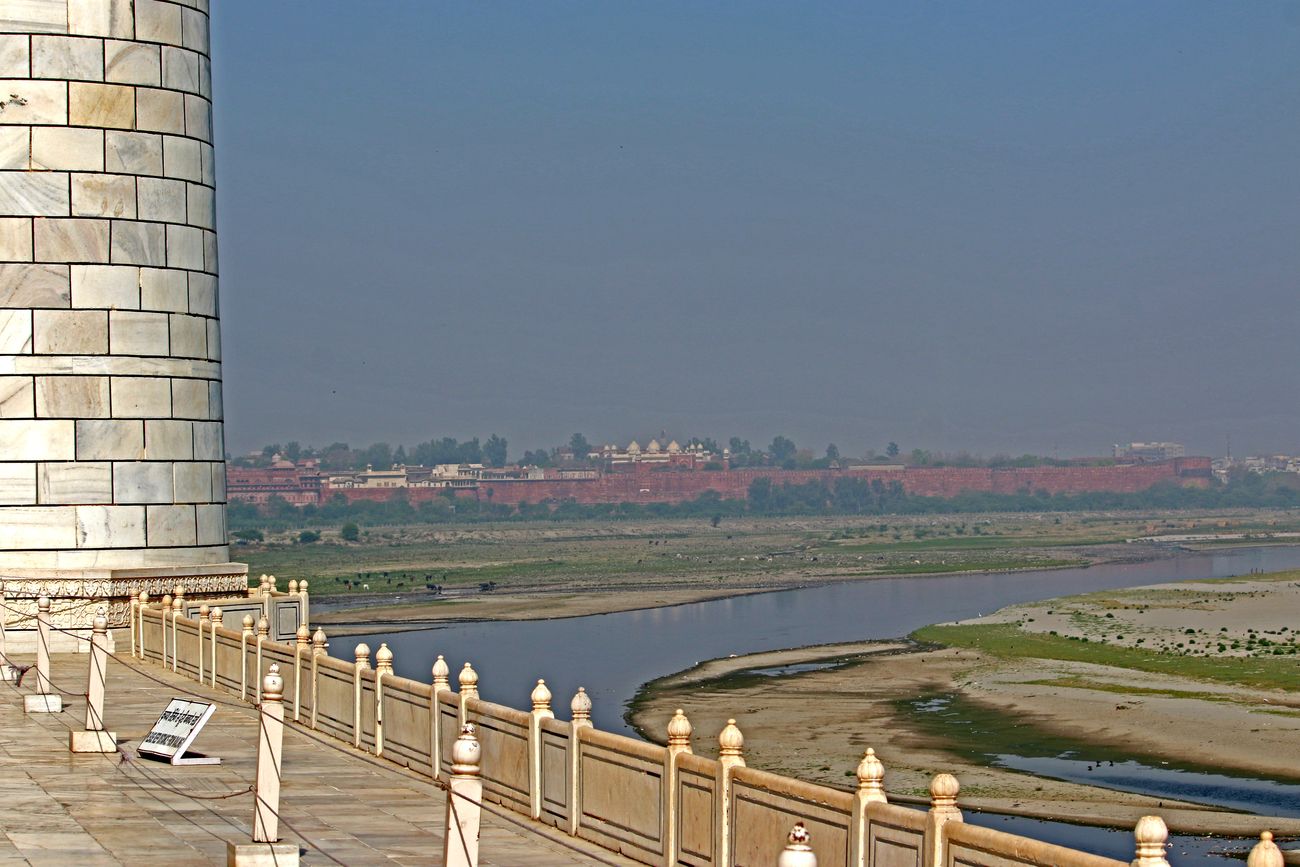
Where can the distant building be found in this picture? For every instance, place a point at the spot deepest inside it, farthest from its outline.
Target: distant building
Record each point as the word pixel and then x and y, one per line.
pixel 634 457
pixel 403 476
pixel 298 483
pixel 1141 452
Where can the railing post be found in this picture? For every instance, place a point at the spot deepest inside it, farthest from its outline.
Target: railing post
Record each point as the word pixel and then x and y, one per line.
pixel 205 617
pixel 581 719
pixel 244 639
pixel 165 613
pixel 7 671
pixel 263 628
pixel 468 680
pixel 301 646
pixel 217 618
pixel 45 699
pixel 679 742
pixel 1150 834
pixel 383 667
pixel 441 683
pixel 871 790
pixel 95 739
pixel 464 802
pixel 144 606
pixel 306 603
pixel 730 745
pixel 135 642
pixel 943 809
pixel 541 699
pixel 798 851
pixel 362 664
pixel 266 820
pixel 178 606
pixel 266 848
pixel 319 648
pixel 1266 853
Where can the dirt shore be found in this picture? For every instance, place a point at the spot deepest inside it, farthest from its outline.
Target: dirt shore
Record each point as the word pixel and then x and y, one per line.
pixel 348 615
pixel 815 724
pixel 528 605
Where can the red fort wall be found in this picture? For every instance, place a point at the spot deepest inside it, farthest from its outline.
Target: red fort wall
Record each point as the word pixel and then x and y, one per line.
pixel 669 486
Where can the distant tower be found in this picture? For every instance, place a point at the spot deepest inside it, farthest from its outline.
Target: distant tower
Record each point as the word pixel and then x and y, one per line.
pixel 111 453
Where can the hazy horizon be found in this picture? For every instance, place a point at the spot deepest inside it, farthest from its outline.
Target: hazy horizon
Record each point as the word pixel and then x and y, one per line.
pixel 999 228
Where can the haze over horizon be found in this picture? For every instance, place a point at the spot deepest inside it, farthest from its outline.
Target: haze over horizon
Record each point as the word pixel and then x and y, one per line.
pixel 997 228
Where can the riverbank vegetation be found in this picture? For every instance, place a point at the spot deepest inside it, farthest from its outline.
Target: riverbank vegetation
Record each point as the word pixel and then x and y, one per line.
pixel 1266 670
pixel 599 565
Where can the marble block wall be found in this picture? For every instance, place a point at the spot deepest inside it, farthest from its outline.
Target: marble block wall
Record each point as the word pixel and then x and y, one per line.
pixel 111 450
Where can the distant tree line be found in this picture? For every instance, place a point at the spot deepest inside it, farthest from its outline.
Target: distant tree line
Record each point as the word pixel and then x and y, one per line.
pixel 843 496
pixel 342 457
pixel 782 453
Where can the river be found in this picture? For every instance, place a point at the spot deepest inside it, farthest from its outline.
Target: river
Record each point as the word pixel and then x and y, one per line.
pixel 613 654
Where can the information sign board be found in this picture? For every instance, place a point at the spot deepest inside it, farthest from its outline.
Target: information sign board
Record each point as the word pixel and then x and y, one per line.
pixel 176 729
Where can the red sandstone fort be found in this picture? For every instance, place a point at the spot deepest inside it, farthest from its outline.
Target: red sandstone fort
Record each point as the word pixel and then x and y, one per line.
pixel 677 476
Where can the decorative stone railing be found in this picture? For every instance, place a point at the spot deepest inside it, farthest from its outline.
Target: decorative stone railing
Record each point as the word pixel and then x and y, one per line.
pixel 284 612
pixel 653 804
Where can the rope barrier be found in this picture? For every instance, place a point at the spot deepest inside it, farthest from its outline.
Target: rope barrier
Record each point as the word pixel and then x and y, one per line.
pixel 125 760
pixel 280 817
pixel 515 820
pixel 118 766
pixel 309 735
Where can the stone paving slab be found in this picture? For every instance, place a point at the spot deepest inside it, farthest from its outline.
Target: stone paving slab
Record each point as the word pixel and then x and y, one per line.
pixel 57 808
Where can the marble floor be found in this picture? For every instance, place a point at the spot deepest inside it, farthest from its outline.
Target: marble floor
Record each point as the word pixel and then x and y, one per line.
pixel 57 808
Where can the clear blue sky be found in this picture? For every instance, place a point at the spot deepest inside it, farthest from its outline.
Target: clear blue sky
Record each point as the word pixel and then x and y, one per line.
pixel 991 226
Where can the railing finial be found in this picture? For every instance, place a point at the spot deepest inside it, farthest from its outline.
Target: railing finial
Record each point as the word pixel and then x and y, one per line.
pixel 1151 834
pixel 580 707
pixel 798 851
pixel 468 681
pixel 273 684
pixel 1266 853
pixel 541 698
pixel 384 659
pixel 441 675
pixel 871 779
pixel 679 733
pixel 730 744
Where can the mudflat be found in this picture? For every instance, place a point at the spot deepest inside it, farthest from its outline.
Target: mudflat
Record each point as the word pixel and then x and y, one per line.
pixel 1150 680
pixel 396 577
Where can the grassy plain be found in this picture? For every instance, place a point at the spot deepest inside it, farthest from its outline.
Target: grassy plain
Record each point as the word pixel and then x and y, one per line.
pixel 1008 641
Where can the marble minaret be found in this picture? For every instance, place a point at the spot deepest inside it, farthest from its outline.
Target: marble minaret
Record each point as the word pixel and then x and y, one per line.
pixel 112 474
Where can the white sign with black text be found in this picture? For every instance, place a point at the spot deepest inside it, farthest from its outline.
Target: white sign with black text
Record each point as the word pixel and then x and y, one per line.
pixel 176 729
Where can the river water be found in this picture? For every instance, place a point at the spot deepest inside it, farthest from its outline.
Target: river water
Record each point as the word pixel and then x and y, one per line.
pixel 613 654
